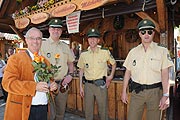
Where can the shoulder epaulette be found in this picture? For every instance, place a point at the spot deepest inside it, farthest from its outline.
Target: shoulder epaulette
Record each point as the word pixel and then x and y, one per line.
pixel 161 45
pixel 64 42
pixel 104 48
pixel 84 50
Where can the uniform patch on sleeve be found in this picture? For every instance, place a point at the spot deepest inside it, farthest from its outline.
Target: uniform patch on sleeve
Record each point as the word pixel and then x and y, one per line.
pixel 169 57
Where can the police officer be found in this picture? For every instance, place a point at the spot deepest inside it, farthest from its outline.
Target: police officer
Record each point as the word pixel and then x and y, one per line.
pixel 93 64
pixel 148 66
pixel 51 47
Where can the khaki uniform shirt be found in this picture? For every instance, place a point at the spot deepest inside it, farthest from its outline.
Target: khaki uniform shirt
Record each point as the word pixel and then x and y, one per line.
pixel 95 63
pixel 146 66
pixel 50 48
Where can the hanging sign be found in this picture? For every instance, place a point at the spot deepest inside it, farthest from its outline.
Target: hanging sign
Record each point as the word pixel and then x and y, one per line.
pixel 91 4
pixel 63 10
pixel 72 22
pixel 39 18
pixel 22 22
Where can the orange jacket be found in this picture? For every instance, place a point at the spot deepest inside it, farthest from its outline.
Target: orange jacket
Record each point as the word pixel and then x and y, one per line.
pixel 18 81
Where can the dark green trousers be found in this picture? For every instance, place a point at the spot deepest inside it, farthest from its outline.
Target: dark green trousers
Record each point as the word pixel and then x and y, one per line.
pixel 92 93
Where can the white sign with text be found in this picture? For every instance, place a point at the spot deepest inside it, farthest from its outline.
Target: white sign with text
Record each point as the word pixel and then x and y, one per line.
pixel 72 21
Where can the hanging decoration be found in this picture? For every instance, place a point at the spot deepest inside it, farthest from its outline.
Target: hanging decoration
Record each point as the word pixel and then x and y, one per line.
pixel 118 22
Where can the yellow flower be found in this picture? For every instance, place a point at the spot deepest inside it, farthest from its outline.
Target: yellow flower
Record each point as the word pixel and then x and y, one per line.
pixel 35 54
pixel 42 70
pixel 57 56
pixel 42 58
pixel 37 59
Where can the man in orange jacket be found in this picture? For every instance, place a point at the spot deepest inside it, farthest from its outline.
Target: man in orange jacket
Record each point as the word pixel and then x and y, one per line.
pixel 27 99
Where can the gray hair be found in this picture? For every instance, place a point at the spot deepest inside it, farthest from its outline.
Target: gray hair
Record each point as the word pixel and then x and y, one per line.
pixel 33 29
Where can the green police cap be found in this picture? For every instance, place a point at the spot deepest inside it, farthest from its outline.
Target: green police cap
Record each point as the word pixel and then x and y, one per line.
pixel 93 33
pixel 146 24
pixel 56 23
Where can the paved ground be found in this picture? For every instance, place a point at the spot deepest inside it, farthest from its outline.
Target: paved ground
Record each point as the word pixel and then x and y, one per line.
pixel 68 116
pixel 2 105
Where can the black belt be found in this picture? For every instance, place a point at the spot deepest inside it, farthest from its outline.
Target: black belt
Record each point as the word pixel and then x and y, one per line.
pixel 140 87
pixel 92 81
pixel 89 81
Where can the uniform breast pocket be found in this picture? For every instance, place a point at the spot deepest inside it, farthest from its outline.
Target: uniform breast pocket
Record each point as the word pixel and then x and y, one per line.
pixel 101 64
pixel 155 64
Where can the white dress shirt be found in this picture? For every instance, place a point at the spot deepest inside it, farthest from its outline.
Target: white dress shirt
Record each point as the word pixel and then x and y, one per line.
pixel 40 98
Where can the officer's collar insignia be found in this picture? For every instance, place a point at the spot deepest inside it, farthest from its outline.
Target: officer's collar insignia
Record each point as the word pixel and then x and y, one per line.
pixel 48 55
pixel 134 63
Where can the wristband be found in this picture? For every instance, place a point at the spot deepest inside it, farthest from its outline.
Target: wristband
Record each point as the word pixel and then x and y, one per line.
pixel 166 94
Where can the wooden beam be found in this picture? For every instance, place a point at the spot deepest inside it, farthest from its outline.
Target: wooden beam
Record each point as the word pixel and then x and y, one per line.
pixel 4 8
pixel 17 32
pixel 161 10
pixel 144 15
pixel 8 21
pixel 128 1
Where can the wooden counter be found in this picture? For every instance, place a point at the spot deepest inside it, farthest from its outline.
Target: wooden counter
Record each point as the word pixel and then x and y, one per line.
pixel 117 109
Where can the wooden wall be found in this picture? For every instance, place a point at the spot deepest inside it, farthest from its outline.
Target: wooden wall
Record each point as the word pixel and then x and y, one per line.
pixel 118 41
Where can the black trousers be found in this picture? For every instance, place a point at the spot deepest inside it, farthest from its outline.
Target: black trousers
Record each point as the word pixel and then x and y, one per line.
pixel 38 112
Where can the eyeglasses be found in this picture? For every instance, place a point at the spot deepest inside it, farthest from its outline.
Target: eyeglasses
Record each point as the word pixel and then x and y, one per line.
pixel 143 32
pixel 32 38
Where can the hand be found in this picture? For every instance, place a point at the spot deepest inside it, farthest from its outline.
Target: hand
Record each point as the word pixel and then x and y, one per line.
pixel 108 81
pixel 53 86
pixel 67 80
pixel 164 103
pixel 42 87
pixel 124 98
pixel 81 91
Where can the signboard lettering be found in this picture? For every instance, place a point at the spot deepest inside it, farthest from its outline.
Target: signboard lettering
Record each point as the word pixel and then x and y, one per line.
pixel 91 4
pixel 63 10
pixel 39 18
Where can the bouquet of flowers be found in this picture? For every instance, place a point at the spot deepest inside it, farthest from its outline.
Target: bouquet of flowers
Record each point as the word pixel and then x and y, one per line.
pixel 43 72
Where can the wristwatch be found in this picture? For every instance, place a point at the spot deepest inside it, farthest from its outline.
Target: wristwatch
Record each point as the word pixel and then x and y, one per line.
pixel 166 94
